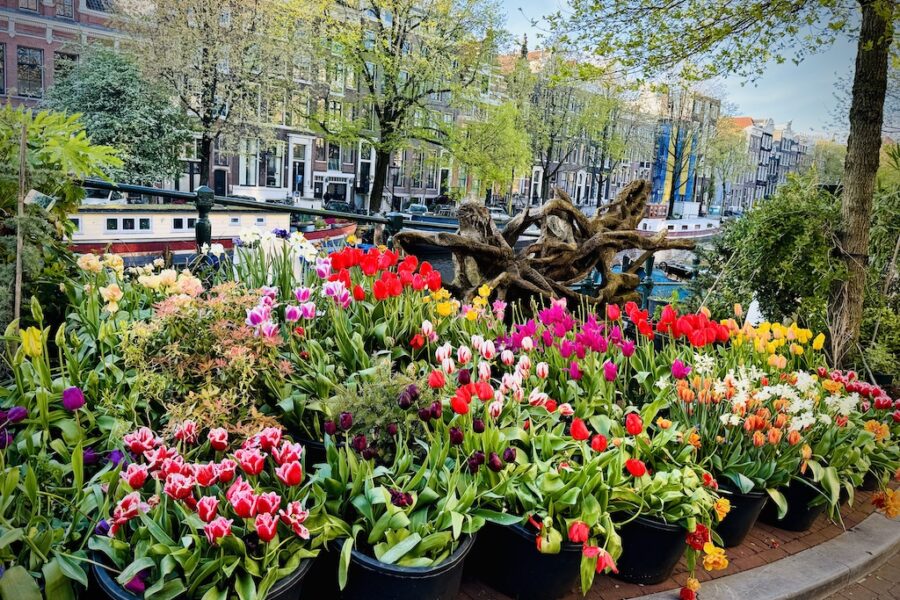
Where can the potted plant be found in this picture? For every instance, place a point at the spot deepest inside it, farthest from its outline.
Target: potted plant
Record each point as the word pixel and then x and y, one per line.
pixel 206 517
pixel 409 526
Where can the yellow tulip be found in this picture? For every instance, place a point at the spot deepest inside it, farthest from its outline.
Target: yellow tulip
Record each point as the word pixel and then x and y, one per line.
pixel 31 342
pixel 819 342
pixel 484 291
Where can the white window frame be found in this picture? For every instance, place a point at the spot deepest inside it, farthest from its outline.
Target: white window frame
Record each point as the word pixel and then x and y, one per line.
pixel 260 221
pixel 186 226
pixel 120 229
pixel 234 221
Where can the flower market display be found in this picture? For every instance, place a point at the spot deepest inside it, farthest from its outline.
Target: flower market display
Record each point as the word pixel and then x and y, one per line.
pixel 291 423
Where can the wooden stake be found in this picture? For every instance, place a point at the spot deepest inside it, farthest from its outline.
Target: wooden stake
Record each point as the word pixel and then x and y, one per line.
pixel 20 237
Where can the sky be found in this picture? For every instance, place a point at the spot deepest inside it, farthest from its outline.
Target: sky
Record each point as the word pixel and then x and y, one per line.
pixel 802 94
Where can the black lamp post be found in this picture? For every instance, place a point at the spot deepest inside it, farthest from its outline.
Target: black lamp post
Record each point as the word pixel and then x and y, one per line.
pixel 395 171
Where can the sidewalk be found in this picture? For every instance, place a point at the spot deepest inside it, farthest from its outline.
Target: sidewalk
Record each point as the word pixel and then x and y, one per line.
pixel 881 584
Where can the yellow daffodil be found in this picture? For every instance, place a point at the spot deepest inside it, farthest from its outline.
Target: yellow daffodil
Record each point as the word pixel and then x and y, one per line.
pixel 352 240
pixel 31 342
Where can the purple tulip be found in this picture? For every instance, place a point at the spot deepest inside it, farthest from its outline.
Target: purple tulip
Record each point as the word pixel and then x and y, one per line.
pixel 17 414
pixel 404 401
pixel 509 455
pixel 137 585
pixel 323 267
pixel 302 294
pixel 494 463
pixel 464 377
pixel 425 413
pixel 258 315
pixel 628 348
pixel 102 527
pixel 392 429
pixel 610 371
pixel 308 310
pixel 116 457
pixel 291 313
pixel 5 439
pixel 413 391
pixel 89 456
pixel 72 398
pixel 680 370
pixel 330 427
pixel 436 409
pixel 478 426
pixel 369 453
pixel 456 436
pixel 345 420
pixel 574 371
pixel 359 442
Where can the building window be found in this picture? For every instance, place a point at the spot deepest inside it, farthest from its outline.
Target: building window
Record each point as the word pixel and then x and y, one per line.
pixel 182 224
pixel 234 221
pixel 320 150
pixel 28 5
pixel 98 5
pixel 76 221
pixel 63 63
pixel 249 162
pixel 260 221
pixel 2 68
pixel 125 224
pixel 274 164
pixel 30 72
pixel 334 157
pixel 65 8
pixel 112 224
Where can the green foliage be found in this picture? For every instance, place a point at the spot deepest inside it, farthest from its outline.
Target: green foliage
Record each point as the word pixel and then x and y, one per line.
pixel 493 148
pixel 828 160
pixel 120 108
pixel 779 253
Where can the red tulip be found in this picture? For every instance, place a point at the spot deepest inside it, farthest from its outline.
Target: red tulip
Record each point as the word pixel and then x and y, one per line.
pixel 636 467
pixel 613 313
pixel 359 294
pixel 217 529
pixel 218 438
pixel 206 475
pixel 251 461
pixel 579 532
pixel 436 379
pixel 135 475
pixel 598 443
pixel 207 507
pixel 268 502
pixel 579 430
pixel 290 474
pixel 244 504
pixel 178 486
pixel 633 424
pixel 266 526
pixel 225 470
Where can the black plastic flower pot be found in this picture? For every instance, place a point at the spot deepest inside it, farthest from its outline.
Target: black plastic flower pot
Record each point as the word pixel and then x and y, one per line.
pixel 322 581
pixel 745 509
pixel 800 516
pixel 507 559
pixel 650 550
pixel 367 578
pixel 286 588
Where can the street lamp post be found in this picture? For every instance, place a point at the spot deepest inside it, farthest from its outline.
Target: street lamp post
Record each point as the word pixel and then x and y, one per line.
pixel 395 170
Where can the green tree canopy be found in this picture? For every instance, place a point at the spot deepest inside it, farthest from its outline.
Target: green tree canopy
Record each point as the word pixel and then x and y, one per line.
pixel 120 108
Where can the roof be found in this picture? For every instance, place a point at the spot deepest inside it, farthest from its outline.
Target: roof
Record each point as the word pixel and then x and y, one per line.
pixel 743 122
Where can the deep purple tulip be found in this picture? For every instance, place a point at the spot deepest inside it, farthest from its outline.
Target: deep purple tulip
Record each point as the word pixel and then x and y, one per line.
pixel 494 463
pixel 392 429
pixel 404 400
pixel 89 456
pixel 116 457
pixel 369 453
pixel 359 442
pixel 413 391
pixel 509 455
pixel 72 398
pixel 330 427
pixel 345 420
pixel 102 528
pixel 137 585
pixel 456 436
pixel 478 426
pixel 425 413
pixel 436 409
pixel 5 439
pixel 17 414
pixel 464 377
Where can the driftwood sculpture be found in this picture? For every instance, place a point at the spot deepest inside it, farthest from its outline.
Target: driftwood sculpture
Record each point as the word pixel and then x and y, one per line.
pixel 571 245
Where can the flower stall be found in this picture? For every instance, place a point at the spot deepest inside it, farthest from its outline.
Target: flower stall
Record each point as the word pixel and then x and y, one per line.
pixel 285 423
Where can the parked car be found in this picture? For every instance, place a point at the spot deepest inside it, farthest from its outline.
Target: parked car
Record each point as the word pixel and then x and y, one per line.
pixel 338 206
pixel 95 197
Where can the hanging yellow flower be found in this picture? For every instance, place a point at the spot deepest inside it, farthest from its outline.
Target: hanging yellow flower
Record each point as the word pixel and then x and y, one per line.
pixel 715 559
pixel 722 508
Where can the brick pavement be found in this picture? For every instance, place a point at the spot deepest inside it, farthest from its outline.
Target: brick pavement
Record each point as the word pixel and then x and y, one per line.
pixel 881 584
pixel 764 545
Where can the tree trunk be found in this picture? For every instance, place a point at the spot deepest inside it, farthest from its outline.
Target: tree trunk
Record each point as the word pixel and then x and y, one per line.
pixel 379 179
pixel 206 151
pixel 863 145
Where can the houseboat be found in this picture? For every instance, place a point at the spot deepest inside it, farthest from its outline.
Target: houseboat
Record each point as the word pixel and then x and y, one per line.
pixel 691 227
pixel 135 230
